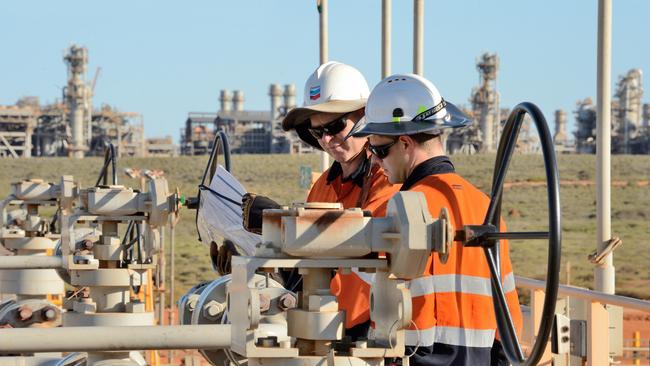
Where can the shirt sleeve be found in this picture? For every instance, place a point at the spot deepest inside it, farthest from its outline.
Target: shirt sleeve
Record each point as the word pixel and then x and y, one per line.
pixel 381 191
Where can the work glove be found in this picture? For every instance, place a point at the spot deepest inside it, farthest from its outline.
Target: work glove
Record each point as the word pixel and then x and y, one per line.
pixel 221 256
pixel 252 207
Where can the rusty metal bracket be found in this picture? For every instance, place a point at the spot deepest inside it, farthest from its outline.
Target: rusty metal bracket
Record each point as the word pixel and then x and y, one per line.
pixel 598 258
pixel 476 235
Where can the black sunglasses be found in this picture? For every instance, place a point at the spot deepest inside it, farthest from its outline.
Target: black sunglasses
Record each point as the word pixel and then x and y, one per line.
pixel 331 128
pixel 381 151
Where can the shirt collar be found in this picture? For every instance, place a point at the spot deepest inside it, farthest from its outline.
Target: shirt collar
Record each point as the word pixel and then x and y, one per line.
pixel 436 165
pixel 356 177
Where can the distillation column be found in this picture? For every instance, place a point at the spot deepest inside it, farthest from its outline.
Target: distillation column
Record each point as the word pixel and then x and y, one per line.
pixel 629 92
pixel 485 100
pixel 560 137
pixel 77 98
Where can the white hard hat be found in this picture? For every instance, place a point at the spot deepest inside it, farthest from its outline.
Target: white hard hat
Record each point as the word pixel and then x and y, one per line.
pixel 333 88
pixel 408 104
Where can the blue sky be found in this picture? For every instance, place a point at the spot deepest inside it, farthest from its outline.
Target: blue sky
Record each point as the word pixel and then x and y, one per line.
pixel 165 59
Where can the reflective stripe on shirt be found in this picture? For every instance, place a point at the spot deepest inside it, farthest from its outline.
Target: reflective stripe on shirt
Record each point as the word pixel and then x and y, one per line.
pixel 450 335
pixel 457 283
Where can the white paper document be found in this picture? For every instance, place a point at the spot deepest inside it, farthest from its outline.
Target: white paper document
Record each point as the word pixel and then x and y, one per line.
pixel 220 213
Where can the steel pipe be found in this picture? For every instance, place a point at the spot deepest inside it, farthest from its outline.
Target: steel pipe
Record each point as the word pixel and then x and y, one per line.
pixel 604 274
pixel 323 21
pixel 386 28
pixel 79 339
pixel 586 294
pixel 418 37
pixel 30 262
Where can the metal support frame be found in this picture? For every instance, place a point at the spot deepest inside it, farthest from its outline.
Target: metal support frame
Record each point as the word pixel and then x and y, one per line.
pixel 596 313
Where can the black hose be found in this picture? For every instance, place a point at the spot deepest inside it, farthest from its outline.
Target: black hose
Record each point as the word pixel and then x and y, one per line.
pixel 53 223
pixel 138 229
pixel 114 163
pixel 220 141
pixel 110 158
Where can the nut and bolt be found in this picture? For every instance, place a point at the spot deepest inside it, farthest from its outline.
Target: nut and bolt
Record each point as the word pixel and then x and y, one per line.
pixel 287 301
pixel 265 303
pixel 191 302
pixel 213 309
pixel 87 244
pixel 48 313
pixel 25 313
pixel 267 342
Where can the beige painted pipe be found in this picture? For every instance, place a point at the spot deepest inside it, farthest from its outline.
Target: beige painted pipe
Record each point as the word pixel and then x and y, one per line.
pixel 79 339
pixel 30 262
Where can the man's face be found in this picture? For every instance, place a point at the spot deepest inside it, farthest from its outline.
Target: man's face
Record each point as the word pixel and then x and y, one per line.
pixel 394 164
pixel 336 146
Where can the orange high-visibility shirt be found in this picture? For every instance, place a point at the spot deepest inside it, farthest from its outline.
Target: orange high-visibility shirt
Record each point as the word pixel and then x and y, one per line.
pixel 452 302
pixel 353 290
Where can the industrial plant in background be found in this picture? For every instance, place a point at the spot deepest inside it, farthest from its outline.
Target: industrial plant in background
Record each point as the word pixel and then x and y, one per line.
pixel 630 119
pixel 72 127
pixel 250 132
pixel 259 132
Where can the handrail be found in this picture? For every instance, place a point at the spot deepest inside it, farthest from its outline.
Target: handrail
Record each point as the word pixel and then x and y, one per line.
pixel 586 294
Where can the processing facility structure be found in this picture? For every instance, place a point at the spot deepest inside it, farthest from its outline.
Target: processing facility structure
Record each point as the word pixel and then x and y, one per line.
pixel 485 109
pixel 259 132
pixel 630 119
pixel 249 131
pixel 72 127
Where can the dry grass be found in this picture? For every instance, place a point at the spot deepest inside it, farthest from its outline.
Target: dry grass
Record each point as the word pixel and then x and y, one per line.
pixel 277 176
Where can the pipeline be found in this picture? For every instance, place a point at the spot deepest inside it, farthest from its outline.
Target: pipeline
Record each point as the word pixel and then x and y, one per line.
pixel 30 262
pixel 84 339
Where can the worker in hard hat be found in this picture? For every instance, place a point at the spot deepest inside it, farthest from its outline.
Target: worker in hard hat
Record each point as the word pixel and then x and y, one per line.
pixel 453 316
pixel 334 100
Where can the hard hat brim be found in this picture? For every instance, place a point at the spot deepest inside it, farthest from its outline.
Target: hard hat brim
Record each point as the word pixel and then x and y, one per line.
pixel 300 115
pixel 455 118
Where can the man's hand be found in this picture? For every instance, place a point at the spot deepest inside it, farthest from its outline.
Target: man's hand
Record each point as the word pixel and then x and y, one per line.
pixel 252 207
pixel 221 256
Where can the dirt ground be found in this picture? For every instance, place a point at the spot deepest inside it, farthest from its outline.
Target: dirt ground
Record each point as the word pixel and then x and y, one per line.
pixel 634 320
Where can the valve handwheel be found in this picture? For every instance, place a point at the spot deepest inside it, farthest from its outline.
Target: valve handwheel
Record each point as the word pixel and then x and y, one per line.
pixel 487 235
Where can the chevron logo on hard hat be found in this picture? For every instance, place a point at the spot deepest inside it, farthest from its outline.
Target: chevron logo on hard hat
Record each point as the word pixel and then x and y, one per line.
pixel 314 93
